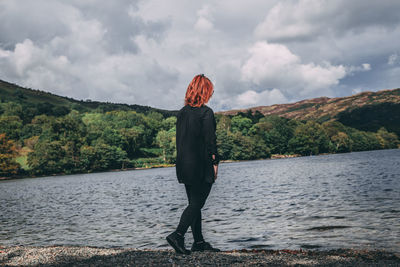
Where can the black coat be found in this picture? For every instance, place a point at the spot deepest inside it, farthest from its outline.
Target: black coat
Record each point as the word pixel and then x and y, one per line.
pixel 195 144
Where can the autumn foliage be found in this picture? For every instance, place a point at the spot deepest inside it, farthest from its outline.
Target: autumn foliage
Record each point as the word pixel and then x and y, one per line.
pixel 8 166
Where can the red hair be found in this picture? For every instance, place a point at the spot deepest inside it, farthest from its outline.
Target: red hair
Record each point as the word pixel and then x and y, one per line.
pixel 199 91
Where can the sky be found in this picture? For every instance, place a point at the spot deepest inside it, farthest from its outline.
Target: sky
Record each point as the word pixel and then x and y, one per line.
pixel 146 52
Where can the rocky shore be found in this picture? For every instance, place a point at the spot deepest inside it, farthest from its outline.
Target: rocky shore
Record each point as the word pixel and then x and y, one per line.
pixel 97 256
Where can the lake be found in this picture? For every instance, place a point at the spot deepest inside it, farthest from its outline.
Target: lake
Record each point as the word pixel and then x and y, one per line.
pixel 349 200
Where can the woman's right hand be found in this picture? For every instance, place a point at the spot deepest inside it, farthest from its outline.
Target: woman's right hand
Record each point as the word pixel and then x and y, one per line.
pixel 215 172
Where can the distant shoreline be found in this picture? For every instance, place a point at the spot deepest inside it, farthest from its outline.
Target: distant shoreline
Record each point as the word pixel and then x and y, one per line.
pixel 98 256
pixel 273 156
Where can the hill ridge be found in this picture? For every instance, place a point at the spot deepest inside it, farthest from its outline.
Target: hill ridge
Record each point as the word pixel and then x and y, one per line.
pixel 11 91
pixel 323 108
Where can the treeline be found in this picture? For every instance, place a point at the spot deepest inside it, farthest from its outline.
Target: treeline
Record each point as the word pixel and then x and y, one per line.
pixel 51 141
pixel 372 117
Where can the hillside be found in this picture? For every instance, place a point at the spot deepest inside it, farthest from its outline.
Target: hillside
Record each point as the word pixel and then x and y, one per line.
pixel 323 108
pixel 365 110
pixel 46 100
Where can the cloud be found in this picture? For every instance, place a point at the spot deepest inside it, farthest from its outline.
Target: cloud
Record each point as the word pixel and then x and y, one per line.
pixel 356 91
pixel 310 19
pixel 392 60
pixel 90 53
pixel 291 21
pixel 267 97
pixel 366 66
pixel 113 77
pixel 351 70
pixel 275 66
pixel 146 52
pixel 203 22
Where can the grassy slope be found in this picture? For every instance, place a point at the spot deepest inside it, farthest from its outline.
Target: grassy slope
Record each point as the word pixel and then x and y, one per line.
pixel 12 92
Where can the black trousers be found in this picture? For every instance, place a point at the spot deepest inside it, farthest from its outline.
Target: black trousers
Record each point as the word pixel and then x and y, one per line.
pixel 191 216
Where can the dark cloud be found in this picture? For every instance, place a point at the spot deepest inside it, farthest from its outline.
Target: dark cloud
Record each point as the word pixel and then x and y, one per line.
pixel 146 52
pixel 35 20
pixel 307 20
pixel 122 24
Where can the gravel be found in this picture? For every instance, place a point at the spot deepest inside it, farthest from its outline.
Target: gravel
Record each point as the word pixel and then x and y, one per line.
pixel 97 256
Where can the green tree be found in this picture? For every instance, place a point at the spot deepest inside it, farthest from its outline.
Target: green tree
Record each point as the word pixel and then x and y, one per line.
pixel 169 123
pixel 249 114
pixel 167 141
pixel 133 140
pixel 47 157
pixel 386 139
pixel 60 111
pixel 342 142
pixel 333 127
pixel 112 137
pixel 259 149
pixel 45 108
pixel 309 139
pixel 152 125
pixel 276 132
pixel 95 125
pixel 373 141
pixel 241 124
pixel 11 126
pixel 359 140
pixel 12 109
pixel 102 157
pixel 224 123
pixel 71 131
pixel 69 128
pixel 29 130
pixel 225 143
pixel 339 136
pixel 246 148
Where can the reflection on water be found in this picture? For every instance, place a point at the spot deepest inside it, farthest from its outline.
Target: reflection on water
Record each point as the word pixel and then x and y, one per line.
pixel 333 201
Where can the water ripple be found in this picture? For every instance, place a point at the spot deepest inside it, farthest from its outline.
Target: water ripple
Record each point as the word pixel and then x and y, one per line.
pixel 346 200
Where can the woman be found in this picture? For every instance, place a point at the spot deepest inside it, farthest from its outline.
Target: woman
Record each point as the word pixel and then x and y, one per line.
pixel 196 161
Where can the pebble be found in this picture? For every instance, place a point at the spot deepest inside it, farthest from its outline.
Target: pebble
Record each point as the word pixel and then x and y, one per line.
pixel 97 256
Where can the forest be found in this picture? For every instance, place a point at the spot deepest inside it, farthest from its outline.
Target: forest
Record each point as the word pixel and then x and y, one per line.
pixel 44 139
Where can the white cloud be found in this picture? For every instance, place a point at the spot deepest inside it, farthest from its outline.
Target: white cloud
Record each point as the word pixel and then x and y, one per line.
pixel 266 97
pixel 366 66
pixel 351 70
pixel 203 24
pixel 275 66
pixel 393 59
pixel 22 56
pixel 204 21
pixel 287 20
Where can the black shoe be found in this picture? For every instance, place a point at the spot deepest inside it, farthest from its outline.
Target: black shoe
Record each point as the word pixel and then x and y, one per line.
pixel 203 246
pixel 178 243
